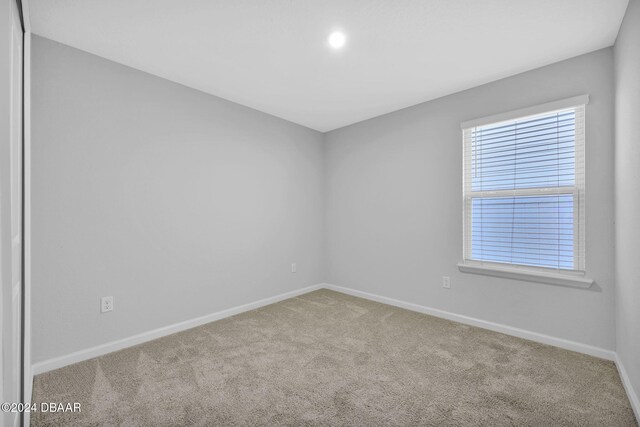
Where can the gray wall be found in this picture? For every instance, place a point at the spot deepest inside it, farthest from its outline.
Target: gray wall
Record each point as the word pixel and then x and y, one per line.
pixel 627 192
pixel 177 203
pixel 394 206
pixel 180 204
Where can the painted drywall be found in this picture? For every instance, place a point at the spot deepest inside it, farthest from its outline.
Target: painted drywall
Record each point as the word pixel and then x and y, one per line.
pixel 627 192
pixel 175 202
pixel 394 206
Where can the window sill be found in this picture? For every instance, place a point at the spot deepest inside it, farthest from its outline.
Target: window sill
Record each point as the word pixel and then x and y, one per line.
pixel 575 280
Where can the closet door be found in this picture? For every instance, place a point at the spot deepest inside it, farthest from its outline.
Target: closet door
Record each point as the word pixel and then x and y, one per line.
pixel 11 204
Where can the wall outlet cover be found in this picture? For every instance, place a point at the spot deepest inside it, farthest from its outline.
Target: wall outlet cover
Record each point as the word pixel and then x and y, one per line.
pixel 446 282
pixel 106 304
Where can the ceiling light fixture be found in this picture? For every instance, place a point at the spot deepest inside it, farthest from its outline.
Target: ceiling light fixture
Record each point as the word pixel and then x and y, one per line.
pixel 337 39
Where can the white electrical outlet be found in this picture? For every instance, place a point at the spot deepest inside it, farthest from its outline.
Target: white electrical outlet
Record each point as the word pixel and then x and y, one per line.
pixel 294 268
pixel 446 282
pixel 106 304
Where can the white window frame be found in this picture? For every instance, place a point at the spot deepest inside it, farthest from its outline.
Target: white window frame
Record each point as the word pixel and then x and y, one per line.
pixel 575 277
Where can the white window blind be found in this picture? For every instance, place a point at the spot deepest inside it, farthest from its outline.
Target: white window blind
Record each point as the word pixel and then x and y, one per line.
pixel 524 186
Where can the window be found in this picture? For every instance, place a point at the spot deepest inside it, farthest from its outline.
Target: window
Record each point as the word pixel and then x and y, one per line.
pixel 524 188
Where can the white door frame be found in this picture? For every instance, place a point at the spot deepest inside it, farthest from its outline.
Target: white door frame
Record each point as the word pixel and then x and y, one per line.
pixel 11 206
pixel 27 374
pixel 15 356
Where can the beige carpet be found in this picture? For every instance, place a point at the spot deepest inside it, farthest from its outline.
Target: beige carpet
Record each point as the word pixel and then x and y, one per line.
pixel 326 358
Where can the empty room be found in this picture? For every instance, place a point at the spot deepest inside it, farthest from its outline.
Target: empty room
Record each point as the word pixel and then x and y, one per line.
pixel 320 212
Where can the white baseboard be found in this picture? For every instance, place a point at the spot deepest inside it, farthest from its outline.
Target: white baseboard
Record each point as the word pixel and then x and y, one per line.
pixel 631 393
pixel 497 327
pixel 89 353
pixel 100 350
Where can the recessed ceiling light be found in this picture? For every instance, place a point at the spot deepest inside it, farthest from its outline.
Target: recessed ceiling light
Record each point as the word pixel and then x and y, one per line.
pixel 337 39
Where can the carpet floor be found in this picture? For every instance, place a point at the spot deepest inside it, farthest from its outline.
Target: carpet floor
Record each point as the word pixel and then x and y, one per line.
pixel 325 358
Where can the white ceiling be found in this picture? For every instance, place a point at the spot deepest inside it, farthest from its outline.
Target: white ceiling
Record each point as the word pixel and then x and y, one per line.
pixel 273 55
